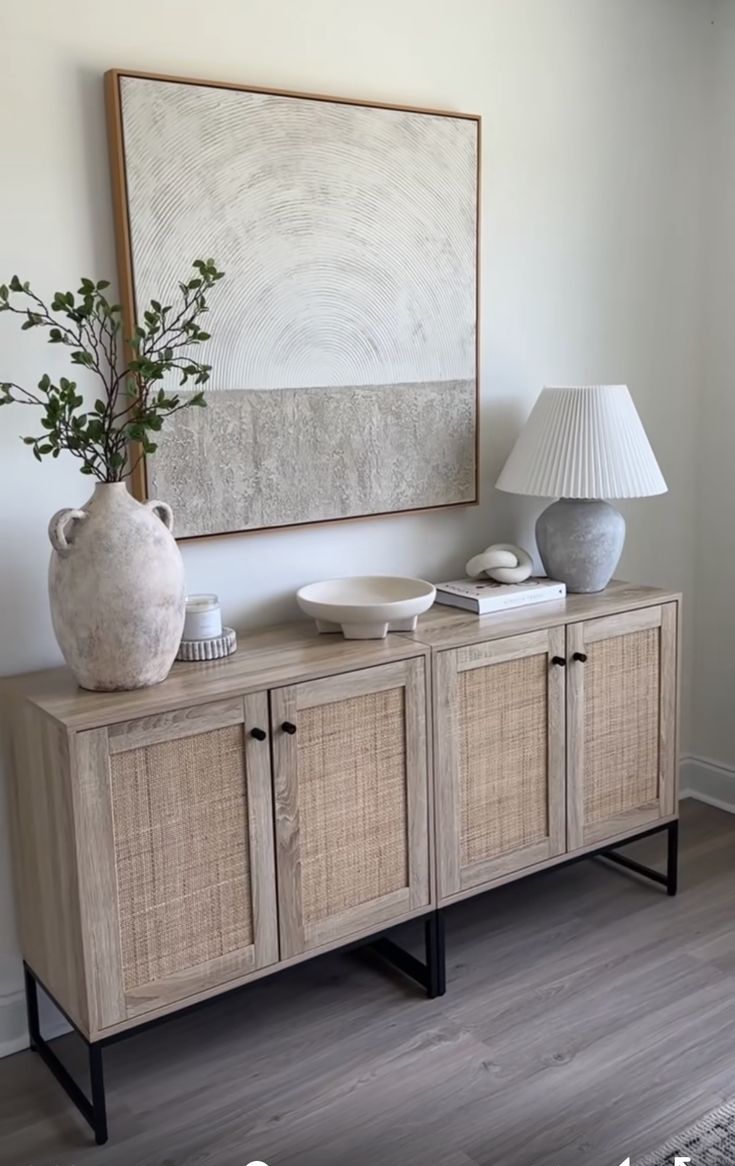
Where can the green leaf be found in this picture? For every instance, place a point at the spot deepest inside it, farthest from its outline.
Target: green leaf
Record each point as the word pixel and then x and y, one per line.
pixel 15 284
pixel 102 284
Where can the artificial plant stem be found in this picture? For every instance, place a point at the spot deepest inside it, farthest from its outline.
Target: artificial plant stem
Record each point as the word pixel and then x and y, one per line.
pixel 100 436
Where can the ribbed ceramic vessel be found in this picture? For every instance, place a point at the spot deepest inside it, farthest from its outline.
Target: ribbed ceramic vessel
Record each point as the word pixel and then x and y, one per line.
pixel 116 588
pixel 584 441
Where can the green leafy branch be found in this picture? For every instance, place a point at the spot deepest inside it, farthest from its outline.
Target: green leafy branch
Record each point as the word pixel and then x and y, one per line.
pixel 133 404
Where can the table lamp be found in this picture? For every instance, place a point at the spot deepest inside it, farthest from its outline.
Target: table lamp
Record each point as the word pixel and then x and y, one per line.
pixel 582 444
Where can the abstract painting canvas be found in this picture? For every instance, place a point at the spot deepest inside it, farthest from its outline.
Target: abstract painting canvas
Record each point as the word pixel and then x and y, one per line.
pixel 344 346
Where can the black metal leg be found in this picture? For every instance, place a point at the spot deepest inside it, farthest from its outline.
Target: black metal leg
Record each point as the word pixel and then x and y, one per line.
pixel 431 974
pixel 94 1111
pixel 668 880
pixel 672 858
pixel 34 1027
pixel 435 955
pixel 97 1082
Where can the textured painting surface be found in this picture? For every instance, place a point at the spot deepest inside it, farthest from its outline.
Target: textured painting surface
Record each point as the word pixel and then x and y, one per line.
pixel 343 336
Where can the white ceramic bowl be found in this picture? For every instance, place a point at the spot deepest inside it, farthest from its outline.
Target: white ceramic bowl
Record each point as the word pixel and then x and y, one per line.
pixel 366 607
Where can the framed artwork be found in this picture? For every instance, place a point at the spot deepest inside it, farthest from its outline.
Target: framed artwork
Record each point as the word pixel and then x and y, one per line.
pixel 344 334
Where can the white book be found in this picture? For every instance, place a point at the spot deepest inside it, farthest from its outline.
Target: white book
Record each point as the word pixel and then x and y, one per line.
pixel 485 595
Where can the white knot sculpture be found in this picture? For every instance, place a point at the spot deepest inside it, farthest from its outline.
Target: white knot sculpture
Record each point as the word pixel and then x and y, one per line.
pixel 503 562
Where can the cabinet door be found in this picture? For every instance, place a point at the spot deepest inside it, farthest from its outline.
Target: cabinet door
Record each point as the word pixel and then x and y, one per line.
pixel 499 758
pixel 351 803
pixel 176 864
pixel 621 723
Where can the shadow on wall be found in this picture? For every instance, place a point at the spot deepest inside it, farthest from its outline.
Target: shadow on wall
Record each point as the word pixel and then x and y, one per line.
pixel 89 114
pixel 511 517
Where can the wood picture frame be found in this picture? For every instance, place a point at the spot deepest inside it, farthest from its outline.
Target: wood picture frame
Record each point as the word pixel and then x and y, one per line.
pixel 352 450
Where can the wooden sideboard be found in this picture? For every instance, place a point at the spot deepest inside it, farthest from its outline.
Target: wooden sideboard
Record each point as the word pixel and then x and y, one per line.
pixel 308 792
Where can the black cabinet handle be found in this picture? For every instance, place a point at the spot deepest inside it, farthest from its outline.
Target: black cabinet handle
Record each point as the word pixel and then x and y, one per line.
pixel 559 661
pixel 288 727
pixel 259 734
pixel 581 656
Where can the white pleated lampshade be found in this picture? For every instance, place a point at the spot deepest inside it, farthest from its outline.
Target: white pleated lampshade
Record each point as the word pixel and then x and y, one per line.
pixel 583 441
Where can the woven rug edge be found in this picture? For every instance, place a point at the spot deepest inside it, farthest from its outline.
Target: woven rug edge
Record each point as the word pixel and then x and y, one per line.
pixel 665 1153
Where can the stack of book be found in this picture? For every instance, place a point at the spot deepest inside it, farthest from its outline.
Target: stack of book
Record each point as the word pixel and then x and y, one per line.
pixel 485 595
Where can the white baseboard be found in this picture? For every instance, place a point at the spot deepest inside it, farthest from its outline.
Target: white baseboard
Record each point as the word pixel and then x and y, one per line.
pixel 13 1029
pixel 707 781
pixel 13 1032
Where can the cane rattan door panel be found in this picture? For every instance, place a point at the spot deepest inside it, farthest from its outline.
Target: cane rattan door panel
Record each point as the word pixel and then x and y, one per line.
pixel 622 698
pixel 188 876
pixel 499 745
pixel 351 803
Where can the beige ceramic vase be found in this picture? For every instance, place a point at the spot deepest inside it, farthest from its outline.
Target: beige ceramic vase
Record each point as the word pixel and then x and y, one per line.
pixel 117 592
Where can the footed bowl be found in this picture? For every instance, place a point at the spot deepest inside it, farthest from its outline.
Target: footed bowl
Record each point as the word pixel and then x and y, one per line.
pixel 366 607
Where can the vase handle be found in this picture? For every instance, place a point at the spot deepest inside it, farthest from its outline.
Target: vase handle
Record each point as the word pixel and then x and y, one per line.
pixel 60 525
pixel 163 510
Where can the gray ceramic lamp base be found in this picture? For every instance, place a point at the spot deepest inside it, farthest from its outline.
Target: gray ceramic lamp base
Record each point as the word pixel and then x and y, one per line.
pixel 580 541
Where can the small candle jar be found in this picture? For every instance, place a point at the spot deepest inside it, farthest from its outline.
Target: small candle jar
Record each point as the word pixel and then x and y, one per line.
pixel 203 617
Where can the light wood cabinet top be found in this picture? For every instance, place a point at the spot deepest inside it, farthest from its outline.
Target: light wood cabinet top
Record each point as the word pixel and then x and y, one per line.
pixel 267 658
pixel 293 652
pixel 450 627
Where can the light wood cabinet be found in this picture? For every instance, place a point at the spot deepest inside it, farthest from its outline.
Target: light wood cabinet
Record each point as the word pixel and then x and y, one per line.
pixel 621 723
pixel 164 852
pixel 178 841
pixel 350 774
pixel 501 801
pixel 552 741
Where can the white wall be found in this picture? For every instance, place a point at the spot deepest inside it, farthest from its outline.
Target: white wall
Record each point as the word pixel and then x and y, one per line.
pixel 592 118
pixel 713 738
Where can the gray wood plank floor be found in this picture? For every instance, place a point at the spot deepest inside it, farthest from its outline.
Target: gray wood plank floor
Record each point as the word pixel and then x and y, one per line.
pixel 587 1018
